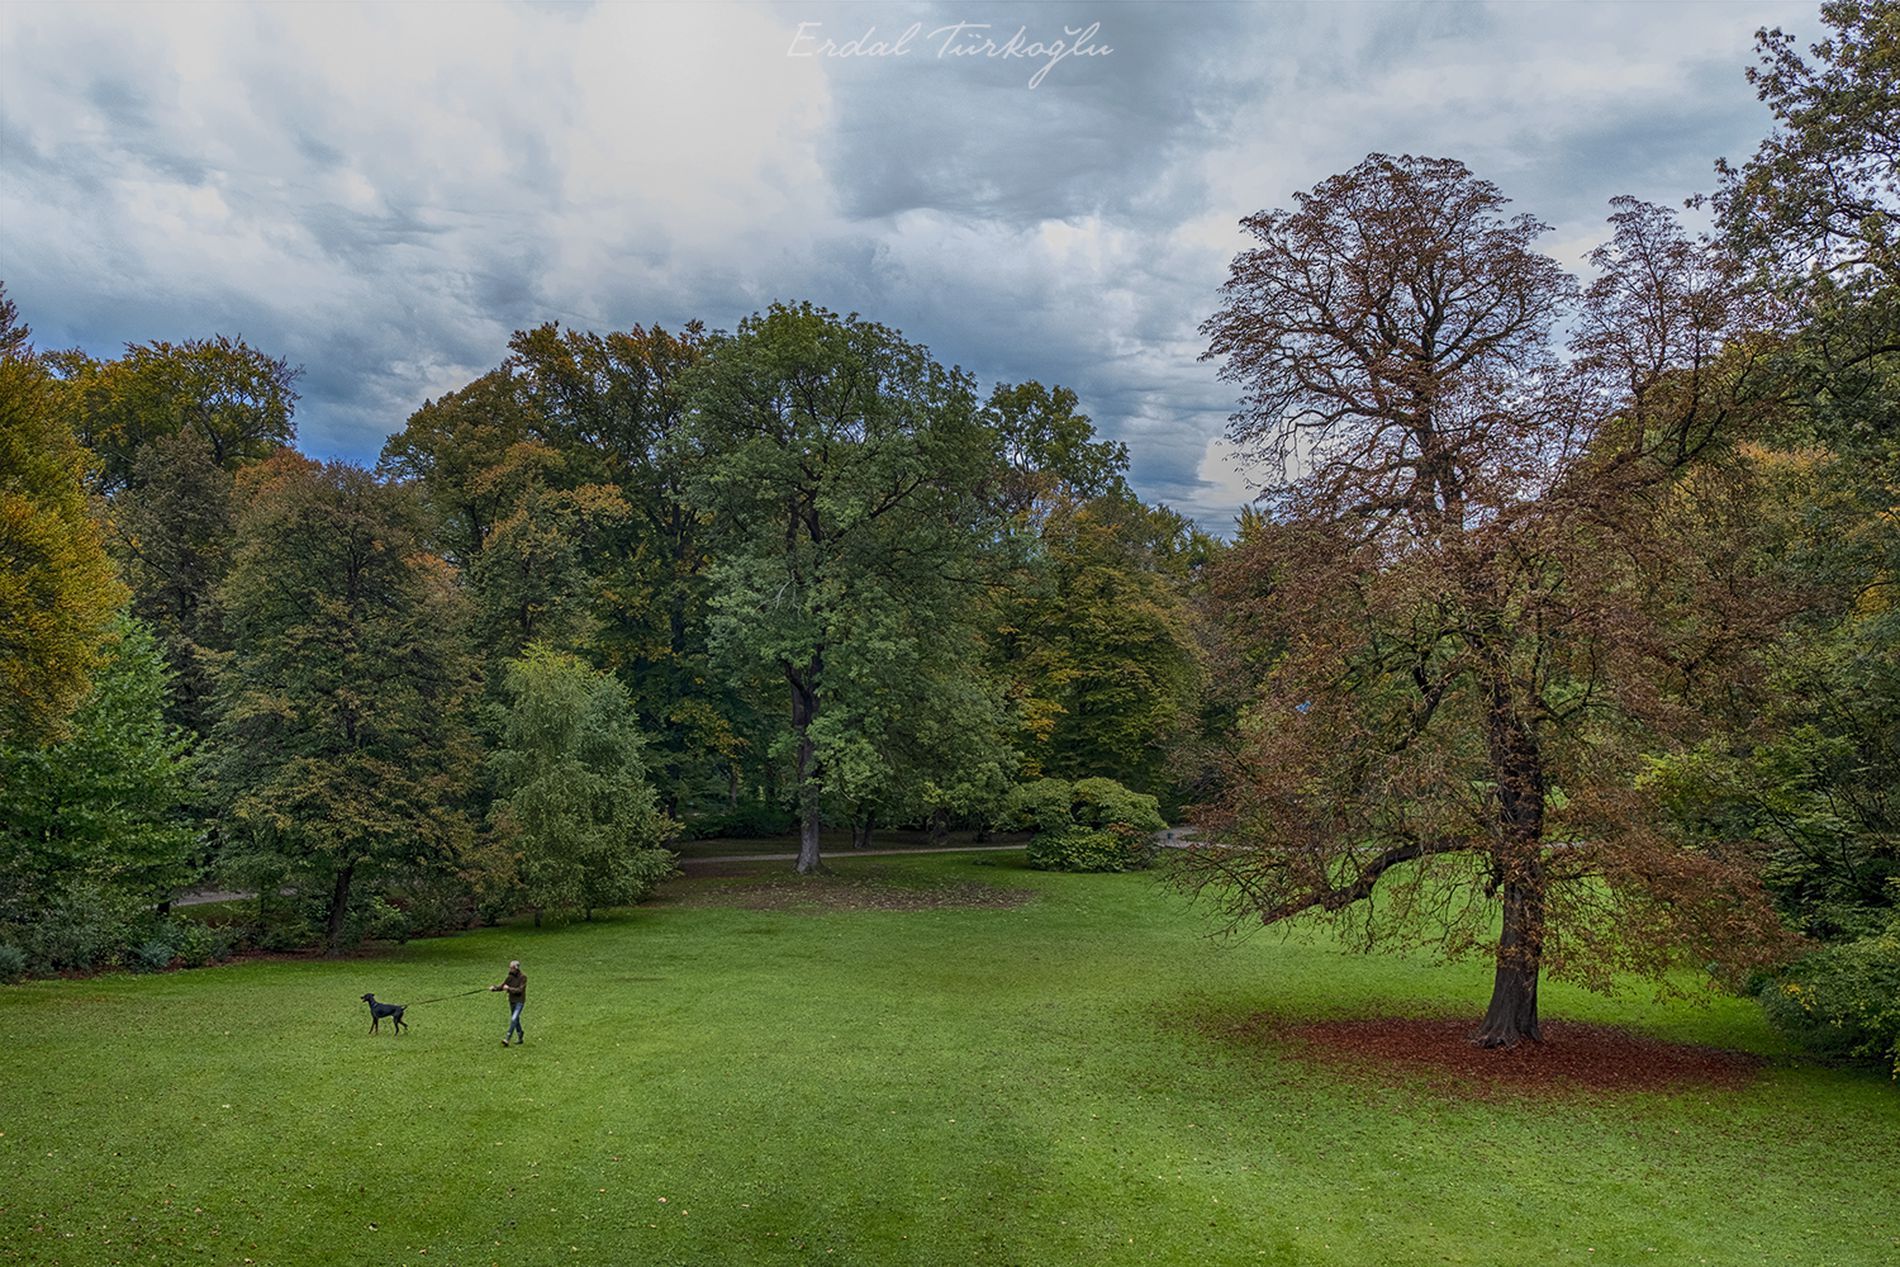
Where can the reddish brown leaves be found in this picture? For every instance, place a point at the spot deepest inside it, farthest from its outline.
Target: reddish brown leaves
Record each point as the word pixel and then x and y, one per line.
pixel 1572 1059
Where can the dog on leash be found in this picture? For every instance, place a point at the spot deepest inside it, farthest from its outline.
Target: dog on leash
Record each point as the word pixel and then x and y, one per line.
pixel 377 1011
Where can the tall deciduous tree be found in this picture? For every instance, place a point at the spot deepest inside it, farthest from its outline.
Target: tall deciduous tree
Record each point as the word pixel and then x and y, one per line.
pixel 572 800
pixel 58 594
pixel 236 399
pixel 1810 221
pixel 105 806
pixel 172 531
pixel 1495 584
pixel 342 753
pixel 840 467
pixel 1101 639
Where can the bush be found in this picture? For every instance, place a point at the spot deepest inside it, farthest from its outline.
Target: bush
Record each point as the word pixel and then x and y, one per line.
pixel 625 879
pixel 1042 806
pixel 155 953
pixel 1088 825
pixel 287 930
pixel 381 920
pixel 1106 803
pixel 200 944
pixel 439 903
pixel 12 963
pixel 82 929
pixel 1086 849
pixel 1844 1001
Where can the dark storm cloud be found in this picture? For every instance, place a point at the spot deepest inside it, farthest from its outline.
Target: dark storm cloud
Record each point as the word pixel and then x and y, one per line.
pixel 383 196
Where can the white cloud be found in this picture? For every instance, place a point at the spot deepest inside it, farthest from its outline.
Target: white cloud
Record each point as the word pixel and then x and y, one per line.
pixel 384 192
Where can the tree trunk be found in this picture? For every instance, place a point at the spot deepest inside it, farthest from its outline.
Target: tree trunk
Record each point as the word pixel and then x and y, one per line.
pixel 339 906
pixel 809 862
pixel 1518 764
pixel 1512 1016
pixel 861 830
pixel 939 827
pixel 804 709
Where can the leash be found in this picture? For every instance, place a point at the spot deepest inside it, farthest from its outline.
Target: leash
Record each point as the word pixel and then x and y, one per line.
pixel 480 989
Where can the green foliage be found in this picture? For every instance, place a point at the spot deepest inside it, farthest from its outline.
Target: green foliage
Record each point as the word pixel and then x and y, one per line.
pixel 154 954
pixel 1816 203
pixel 572 799
pixel 173 530
pixel 1048 450
pixel 57 591
pixel 1041 805
pixel 80 926
pixel 1092 824
pixel 379 919
pixel 237 400
pixel 749 820
pixel 1087 849
pixel 12 962
pixel 1102 641
pixel 181 943
pixel 342 751
pixel 93 832
pixel 105 804
pixel 840 467
pixel 1845 1000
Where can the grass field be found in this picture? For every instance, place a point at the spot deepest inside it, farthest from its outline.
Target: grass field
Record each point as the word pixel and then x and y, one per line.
pixel 1037 1083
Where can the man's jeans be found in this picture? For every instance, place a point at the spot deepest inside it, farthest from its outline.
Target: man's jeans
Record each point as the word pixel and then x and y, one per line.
pixel 514 1021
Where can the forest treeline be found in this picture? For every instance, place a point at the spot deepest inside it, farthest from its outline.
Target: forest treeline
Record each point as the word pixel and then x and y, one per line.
pixel 1571 632
pixel 623 587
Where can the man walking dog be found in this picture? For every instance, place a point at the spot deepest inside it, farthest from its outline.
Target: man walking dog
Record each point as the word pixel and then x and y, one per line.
pixel 517 987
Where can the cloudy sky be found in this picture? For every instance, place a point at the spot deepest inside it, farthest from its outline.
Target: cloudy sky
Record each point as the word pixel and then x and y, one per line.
pixel 383 192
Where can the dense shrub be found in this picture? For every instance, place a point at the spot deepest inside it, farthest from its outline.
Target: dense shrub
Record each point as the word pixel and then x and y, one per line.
pixel 1042 806
pixel 155 953
pixel 378 919
pixel 1844 1001
pixel 12 963
pixel 1088 825
pixel 1084 849
pixel 200 944
pixel 1107 804
pixel 81 929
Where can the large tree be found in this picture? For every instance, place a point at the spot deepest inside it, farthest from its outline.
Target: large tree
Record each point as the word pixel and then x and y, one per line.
pixel 552 481
pixel 1495 582
pixel 342 753
pixel 58 594
pixel 840 467
pixel 1100 638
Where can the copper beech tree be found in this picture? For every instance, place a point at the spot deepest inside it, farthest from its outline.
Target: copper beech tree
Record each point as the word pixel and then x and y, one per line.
pixel 1492 581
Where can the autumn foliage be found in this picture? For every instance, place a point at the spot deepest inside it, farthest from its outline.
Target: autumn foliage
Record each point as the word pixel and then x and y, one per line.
pixel 1494 583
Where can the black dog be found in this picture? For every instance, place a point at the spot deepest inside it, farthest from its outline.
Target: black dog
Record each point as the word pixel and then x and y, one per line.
pixel 377 1011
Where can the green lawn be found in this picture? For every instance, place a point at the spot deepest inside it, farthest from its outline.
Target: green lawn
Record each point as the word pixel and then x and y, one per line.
pixel 1030 1084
